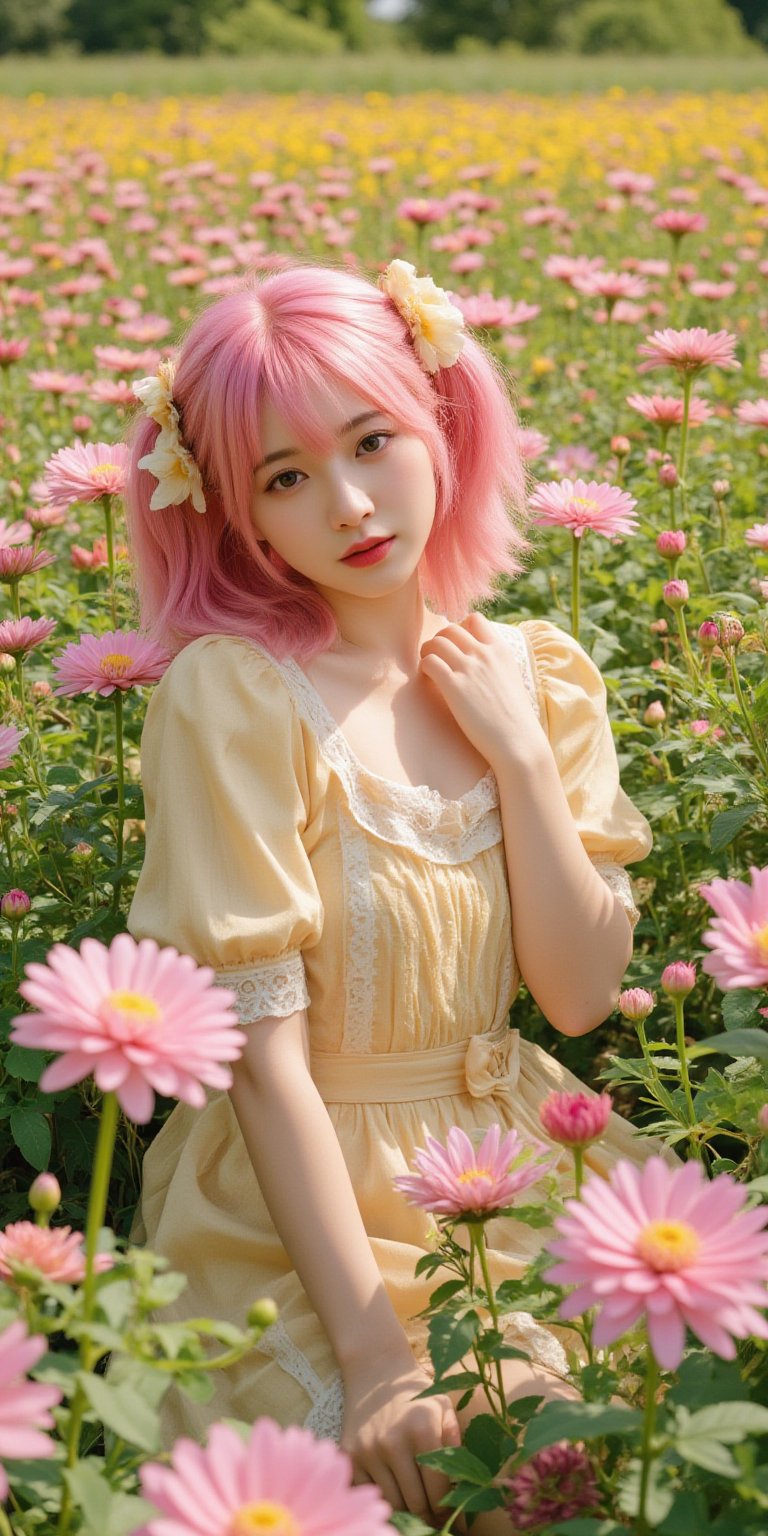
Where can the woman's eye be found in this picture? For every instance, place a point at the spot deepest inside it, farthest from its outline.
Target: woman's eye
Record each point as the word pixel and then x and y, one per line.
pixel 373 437
pixel 285 474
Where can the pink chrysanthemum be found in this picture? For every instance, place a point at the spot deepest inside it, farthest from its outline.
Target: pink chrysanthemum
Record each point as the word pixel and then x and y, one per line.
pixel 142 1020
pixel 689 351
pixel 670 1245
pixel 557 1484
pixel 52 1253
pixel 584 505
pixel 531 443
pixel 17 636
pixel 757 536
pixel 610 285
pixel 14 533
pixel 279 1480
pixel 49 381
pixel 667 410
pixel 678 222
pixel 86 472
pixel 459 1179
pixel 753 413
pixel 24 1405
pixel 22 560
pixel 121 658
pixel 10 737
pixel 738 935
pixel 575 1119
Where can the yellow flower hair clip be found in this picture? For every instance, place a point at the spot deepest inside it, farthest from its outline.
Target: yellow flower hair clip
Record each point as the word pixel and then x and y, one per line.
pixel 178 477
pixel 436 325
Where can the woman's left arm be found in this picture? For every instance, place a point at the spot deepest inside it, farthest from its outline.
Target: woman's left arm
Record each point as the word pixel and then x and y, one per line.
pixel 573 941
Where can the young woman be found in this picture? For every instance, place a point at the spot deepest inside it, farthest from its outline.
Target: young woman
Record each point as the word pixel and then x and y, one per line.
pixel 372 811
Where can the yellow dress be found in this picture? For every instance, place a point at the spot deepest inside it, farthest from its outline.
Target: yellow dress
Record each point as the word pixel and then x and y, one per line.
pixel 305 879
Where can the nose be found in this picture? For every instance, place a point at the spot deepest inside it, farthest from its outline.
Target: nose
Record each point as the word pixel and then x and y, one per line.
pixel 349 501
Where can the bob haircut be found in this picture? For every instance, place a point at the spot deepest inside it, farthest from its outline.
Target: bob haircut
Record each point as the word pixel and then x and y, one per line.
pixel 278 337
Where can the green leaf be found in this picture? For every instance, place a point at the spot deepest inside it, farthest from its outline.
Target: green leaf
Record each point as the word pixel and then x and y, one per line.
pixel 123 1410
pixel 734 1042
pixel 728 1422
pixel 688 1515
pixel 486 1438
pixel 445 1291
pixel 91 1493
pixel 727 825
pixel 450 1339
pixel 659 1495
pixel 740 1006
pixel 24 1063
pixel 579 1421
pixel 457 1462
pixel 410 1525
pixel 589 1527
pixel 710 1454
pixel 32 1134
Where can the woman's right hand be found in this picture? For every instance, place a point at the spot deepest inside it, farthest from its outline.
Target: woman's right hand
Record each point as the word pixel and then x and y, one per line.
pixel 385 1430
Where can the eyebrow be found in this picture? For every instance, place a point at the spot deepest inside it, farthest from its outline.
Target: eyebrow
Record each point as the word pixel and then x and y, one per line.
pixel 287 453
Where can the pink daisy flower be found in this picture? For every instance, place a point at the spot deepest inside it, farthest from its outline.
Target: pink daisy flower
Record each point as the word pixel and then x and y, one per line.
pixel 678 222
pixel 24 1405
pixel 611 285
pixel 22 560
pixel 17 636
pixel 667 410
pixel 86 472
pixel 532 443
pixel 14 533
pixel 121 658
pixel 279 1480
pixel 141 1019
pixel 557 1484
pixel 670 1245
pixel 10 738
pixel 29 1253
pixel 738 935
pixel 689 351
pixel 48 381
pixel 753 413
pixel 757 536
pixel 581 506
pixel 460 1180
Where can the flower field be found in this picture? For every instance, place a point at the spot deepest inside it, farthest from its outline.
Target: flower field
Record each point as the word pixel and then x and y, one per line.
pixel 612 252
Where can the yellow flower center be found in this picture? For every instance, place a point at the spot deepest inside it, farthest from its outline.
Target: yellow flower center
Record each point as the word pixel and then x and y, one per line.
pixel 115 664
pixel 587 502
pixel 471 1174
pixel 666 1245
pixel 143 1010
pixel 101 469
pixel 761 939
pixel 256 1519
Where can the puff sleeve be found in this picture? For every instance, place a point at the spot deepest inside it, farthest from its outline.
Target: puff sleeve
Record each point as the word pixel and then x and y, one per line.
pixel 226 877
pixel 572 699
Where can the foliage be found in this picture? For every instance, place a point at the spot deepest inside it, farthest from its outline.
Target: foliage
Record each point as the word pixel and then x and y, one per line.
pixel 263 25
pixel 31 29
pixel 655 26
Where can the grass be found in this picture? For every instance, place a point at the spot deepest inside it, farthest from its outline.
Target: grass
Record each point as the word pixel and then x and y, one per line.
pixel 390 70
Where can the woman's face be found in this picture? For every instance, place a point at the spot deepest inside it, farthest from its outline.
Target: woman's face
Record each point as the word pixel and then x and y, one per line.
pixel 377 483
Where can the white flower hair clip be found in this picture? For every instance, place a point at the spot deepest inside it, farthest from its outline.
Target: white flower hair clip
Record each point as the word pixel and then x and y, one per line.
pixel 436 325
pixel 178 477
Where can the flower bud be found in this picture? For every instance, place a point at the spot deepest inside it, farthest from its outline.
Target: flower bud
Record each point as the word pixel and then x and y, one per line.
pixel 720 489
pixel 45 1194
pixel 675 593
pixel 668 475
pixel 678 979
pixel 671 543
pixel 620 446
pixel 636 1004
pixel 82 423
pixel 262 1313
pixel 14 906
pixel 709 635
pixel 698 727
pixel 659 627
pixel 731 631
pixel 41 689
pixel 575 1119
pixel 655 714
pixel 82 853
pixel 7 663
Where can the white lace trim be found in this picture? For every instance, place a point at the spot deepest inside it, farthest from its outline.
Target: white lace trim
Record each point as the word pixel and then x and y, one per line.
pixel 325 1417
pixel 617 879
pixel 272 989
pixel 416 817
pixel 359 910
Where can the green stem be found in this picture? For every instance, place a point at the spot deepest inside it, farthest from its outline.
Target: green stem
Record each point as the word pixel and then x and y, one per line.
pixel 575 585
pixel 578 1169
pixel 683 1059
pixel 6 1529
pixel 686 644
pixel 479 1237
pixel 646 1454
pixel 752 733
pixel 647 1057
pixel 120 763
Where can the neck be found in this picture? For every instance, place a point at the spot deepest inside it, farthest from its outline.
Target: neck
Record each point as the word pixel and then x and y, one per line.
pixel 385 632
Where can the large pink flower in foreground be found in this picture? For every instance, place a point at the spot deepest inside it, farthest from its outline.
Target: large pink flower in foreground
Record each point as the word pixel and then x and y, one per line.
pixel 459 1179
pixel 121 658
pixel 50 1253
pixel 583 506
pixel 670 1245
pixel 689 351
pixel 86 472
pixel 24 1405
pixel 738 935
pixel 280 1481
pixel 142 1020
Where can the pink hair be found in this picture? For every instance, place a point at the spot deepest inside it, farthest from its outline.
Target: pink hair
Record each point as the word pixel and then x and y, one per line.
pixel 277 337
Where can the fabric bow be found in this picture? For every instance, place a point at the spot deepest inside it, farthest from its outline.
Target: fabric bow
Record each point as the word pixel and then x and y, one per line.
pixel 492 1066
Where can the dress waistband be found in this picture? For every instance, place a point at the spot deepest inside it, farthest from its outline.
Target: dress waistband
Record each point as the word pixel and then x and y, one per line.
pixel 482 1065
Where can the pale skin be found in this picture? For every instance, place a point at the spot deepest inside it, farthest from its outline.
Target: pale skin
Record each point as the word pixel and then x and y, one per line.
pixel 421 701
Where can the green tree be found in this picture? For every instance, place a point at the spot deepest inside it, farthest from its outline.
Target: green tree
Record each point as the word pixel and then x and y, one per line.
pixel 437 24
pixel 754 14
pixel 262 26
pixel 654 26
pixel 169 26
pixel 26 28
